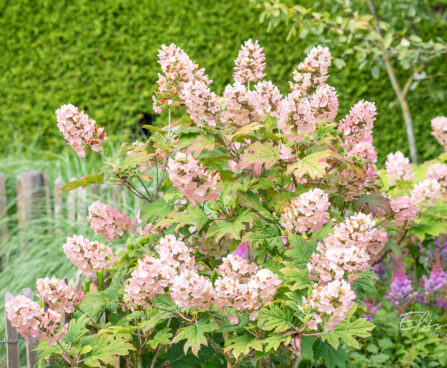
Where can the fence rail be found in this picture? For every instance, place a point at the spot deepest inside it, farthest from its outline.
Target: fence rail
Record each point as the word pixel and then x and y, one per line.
pixel 35 197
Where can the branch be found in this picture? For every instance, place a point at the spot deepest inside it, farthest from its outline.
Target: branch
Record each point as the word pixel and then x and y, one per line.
pixel 411 79
pixel 219 350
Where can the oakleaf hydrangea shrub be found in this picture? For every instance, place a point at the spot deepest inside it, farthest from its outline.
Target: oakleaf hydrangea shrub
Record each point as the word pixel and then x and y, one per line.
pixel 263 215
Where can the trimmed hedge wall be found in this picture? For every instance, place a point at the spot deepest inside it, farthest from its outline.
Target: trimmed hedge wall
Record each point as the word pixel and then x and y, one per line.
pixel 102 57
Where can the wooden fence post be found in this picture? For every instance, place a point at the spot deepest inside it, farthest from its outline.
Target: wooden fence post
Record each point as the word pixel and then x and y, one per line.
pixel 31 353
pixel 116 196
pixel 58 203
pixel 104 193
pixel 81 207
pixel 31 195
pixel 71 205
pixel 12 349
pixel 3 217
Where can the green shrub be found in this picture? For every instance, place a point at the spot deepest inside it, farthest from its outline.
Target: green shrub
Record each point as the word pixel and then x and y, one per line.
pixel 100 56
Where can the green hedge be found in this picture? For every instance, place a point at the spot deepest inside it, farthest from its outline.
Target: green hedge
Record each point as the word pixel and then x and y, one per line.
pixel 101 56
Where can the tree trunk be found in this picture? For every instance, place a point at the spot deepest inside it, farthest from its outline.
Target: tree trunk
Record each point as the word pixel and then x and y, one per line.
pixel 405 109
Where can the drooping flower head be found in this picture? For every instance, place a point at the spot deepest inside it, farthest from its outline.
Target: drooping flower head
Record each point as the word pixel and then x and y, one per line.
pixel 439 126
pixel 405 210
pixel 109 221
pixel 194 181
pixel 80 131
pixel 306 213
pixel 398 168
pixel 89 256
pixel 426 193
pixel 31 320
pixel 249 63
pixel 58 294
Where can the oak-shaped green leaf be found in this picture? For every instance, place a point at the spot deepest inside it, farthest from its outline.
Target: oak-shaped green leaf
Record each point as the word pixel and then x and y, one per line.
pixel 297 278
pixel 258 154
pixel 314 165
pixel 273 342
pixel 242 345
pixel 195 335
pixel 275 318
pixel 332 357
pixel 346 331
pixel 105 349
pixel 156 210
pixel 76 329
pixel 233 227
pixel 193 215
pixel 162 337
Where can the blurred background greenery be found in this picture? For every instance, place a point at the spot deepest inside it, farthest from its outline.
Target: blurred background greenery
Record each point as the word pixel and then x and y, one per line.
pixel 102 57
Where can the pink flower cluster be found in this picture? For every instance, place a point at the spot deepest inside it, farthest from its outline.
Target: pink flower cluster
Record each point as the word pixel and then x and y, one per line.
pixel 191 290
pixel 177 69
pixel 439 126
pixel 249 63
pixel 295 117
pixel 333 300
pixel 58 294
pixel 194 181
pixel 438 172
pixel 313 71
pixel 153 275
pixel 109 221
pixel 243 286
pixel 306 213
pixel 357 126
pixel 240 285
pixel 242 106
pixel 324 102
pixel 270 97
pixel 31 320
pixel 79 130
pixel 426 193
pixel 405 210
pixel 398 168
pixel 89 256
pixel 347 252
pixel 203 105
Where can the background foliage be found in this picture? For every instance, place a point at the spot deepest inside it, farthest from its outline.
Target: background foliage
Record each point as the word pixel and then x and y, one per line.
pixel 101 56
